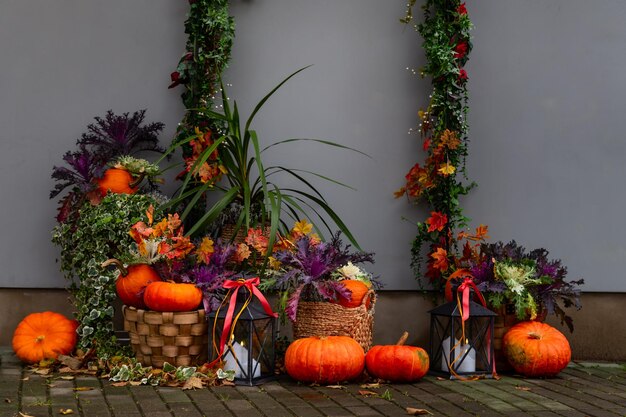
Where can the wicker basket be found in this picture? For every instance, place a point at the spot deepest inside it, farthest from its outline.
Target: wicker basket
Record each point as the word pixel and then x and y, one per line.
pixel 330 319
pixel 179 338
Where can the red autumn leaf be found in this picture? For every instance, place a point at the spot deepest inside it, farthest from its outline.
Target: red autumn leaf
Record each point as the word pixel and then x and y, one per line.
pixel 436 221
pixel 441 259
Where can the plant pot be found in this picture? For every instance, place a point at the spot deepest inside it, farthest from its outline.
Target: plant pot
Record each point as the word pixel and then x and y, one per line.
pixel 329 319
pixel 179 338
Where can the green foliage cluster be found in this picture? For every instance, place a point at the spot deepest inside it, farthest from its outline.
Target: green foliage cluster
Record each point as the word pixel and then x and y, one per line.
pixel 99 233
pixel 210 31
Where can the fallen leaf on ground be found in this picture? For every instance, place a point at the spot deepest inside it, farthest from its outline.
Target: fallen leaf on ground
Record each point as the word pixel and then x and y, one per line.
pixel 228 383
pixel 335 386
pixel 83 388
pixel 440 378
pixel 193 383
pixel 366 393
pixel 72 363
pixel 497 377
pixel 26 379
pixel 51 385
pixel 369 386
pixel 44 371
pixel 120 384
pixel 8 400
pixel 135 383
pixel 521 388
pixel 25 415
pixel 416 411
pixel 68 377
pixel 66 411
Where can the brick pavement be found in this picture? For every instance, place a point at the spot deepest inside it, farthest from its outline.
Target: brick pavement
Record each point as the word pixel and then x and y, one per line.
pixel 581 390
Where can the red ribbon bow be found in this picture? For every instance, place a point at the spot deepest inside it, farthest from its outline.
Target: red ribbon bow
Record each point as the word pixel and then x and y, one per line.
pixel 233 287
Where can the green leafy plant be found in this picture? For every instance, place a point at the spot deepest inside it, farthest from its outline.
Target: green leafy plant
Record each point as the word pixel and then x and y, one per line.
pixel 247 182
pixel 99 233
pixel 441 180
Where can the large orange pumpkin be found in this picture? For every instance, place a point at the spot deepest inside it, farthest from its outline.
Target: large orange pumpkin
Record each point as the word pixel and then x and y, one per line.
pixel 172 296
pixel 358 289
pixel 132 282
pixel 536 349
pixel 324 360
pixel 397 363
pixel 118 181
pixel 44 336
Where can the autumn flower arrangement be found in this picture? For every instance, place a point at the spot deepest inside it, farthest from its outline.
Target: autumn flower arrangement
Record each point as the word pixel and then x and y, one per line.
pixel 510 276
pixel 440 180
pixel 302 267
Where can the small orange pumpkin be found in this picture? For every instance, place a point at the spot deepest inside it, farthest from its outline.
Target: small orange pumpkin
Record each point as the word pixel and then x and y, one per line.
pixel 324 360
pixel 397 363
pixel 358 289
pixel 172 296
pixel 117 181
pixel 44 336
pixel 536 349
pixel 132 282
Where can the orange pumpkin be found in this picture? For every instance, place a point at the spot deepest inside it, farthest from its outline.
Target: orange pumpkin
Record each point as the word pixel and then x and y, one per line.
pixel 397 363
pixel 132 282
pixel 172 296
pixel 118 181
pixel 358 289
pixel 44 336
pixel 324 360
pixel 536 349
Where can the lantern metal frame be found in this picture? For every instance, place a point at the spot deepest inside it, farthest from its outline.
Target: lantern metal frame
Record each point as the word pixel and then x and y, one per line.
pixel 445 325
pixel 256 331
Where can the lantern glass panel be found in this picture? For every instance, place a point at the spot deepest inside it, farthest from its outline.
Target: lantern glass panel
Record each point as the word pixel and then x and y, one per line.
pixel 456 352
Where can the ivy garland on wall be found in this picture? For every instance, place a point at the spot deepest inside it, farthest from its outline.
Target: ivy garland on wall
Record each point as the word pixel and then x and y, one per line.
pixel 210 31
pixel 441 179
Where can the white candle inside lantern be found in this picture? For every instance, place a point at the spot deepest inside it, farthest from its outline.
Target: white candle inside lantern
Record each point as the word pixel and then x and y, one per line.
pixel 241 369
pixel 463 364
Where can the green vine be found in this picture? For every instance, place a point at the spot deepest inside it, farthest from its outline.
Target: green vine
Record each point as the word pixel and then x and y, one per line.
pixel 442 178
pixel 210 31
pixel 100 233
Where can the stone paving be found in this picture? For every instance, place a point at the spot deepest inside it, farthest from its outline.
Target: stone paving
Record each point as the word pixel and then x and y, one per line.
pixel 581 390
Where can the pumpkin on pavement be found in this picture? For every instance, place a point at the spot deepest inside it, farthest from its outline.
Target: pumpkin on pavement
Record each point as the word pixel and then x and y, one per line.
pixel 536 349
pixel 397 363
pixel 44 336
pixel 132 282
pixel 172 296
pixel 324 360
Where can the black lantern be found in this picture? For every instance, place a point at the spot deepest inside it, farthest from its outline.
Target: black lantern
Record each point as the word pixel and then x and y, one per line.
pixel 250 350
pixel 458 349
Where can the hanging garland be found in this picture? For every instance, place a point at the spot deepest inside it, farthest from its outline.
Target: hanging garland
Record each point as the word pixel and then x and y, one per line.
pixel 441 179
pixel 210 31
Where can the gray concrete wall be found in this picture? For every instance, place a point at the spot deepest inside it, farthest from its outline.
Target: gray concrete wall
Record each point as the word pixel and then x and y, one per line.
pixel 546 86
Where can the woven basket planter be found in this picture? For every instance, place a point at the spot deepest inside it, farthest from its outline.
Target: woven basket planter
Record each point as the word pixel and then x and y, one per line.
pixel 330 319
pixel 179 338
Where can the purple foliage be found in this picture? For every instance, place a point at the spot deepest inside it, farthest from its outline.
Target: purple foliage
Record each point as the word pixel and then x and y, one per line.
pixel 116 135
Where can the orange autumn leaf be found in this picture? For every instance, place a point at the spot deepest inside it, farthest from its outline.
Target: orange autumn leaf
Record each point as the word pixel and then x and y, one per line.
pixel 303 227
pixel 160 228
pixel 205 250
pixel 436 221
pixel 441 259
pixel 141 230
pixel 173 222
pixel 256 239
pixel 400 192
pixel 449 139
pixel 481 233
pixel 150 214
pixel 446 169
pixel 242 253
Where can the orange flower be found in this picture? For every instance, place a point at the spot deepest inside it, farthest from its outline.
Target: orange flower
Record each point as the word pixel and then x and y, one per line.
pixel 303 227
pixel 441 259
pixel 436 221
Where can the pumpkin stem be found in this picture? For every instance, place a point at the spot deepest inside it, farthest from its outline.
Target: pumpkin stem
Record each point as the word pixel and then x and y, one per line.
pixel 534 335
pixel 40 338
pixel 138 180
pixel 120 266
pixel 402 339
